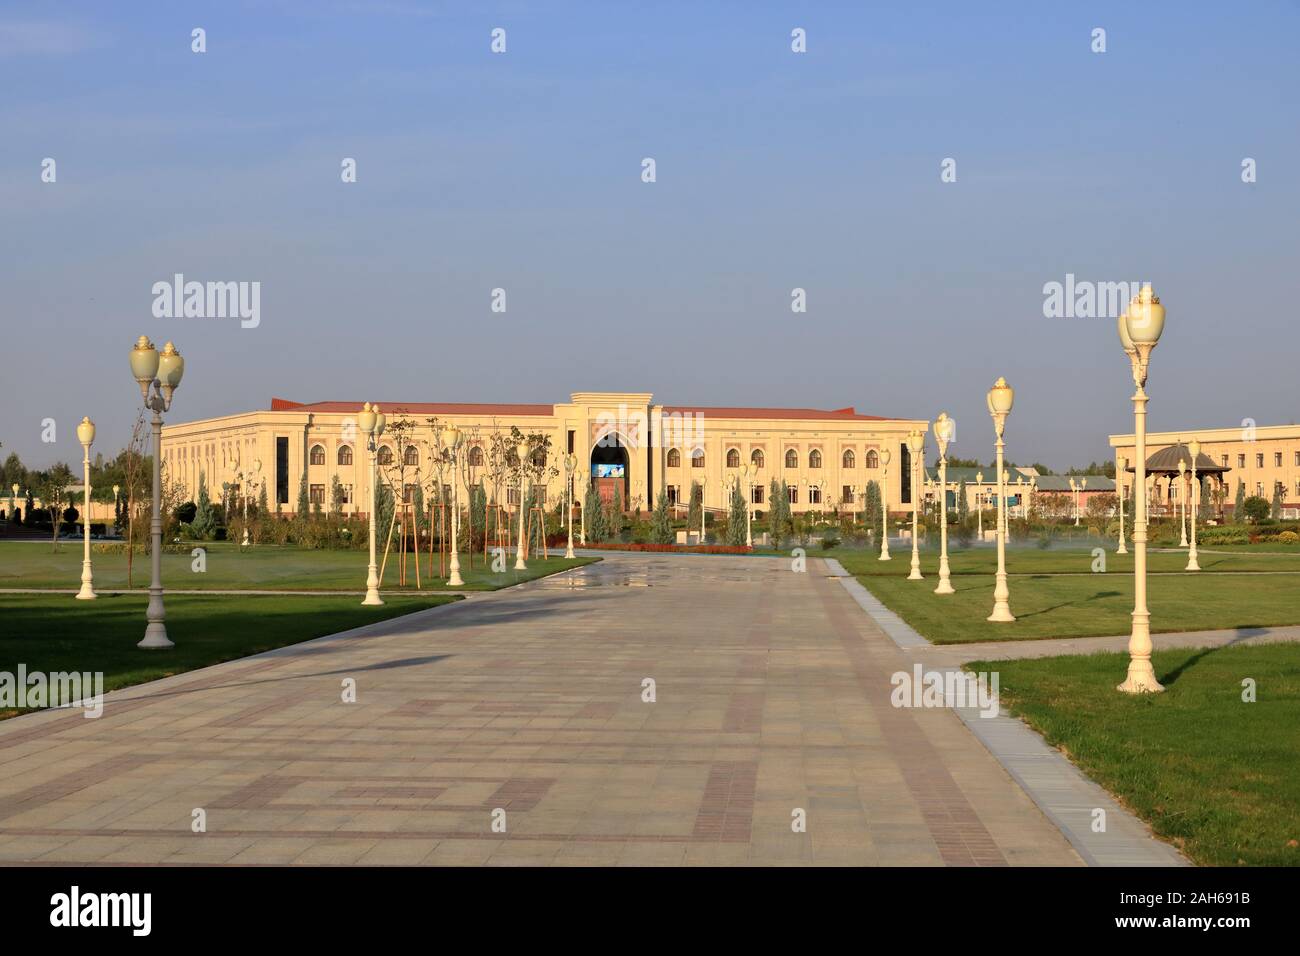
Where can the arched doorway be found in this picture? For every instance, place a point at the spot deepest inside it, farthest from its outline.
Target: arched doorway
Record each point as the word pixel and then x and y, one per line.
pixel 609 467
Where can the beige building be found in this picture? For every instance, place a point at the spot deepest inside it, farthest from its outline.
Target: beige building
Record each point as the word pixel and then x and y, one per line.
pixel 1262 457
pixel 622 440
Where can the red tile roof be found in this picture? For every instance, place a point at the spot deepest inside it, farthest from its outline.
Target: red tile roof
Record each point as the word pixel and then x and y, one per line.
pixel 802 414
pixel 472 408
pixel 413 408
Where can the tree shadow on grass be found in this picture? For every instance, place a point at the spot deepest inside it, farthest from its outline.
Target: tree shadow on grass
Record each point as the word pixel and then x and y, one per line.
pixel 1243 634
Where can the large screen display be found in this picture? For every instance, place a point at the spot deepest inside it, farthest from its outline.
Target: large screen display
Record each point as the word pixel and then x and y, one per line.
pixel 607 471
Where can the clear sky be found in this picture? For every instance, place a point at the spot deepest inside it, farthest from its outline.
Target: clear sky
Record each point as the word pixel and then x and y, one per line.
pixel 775 170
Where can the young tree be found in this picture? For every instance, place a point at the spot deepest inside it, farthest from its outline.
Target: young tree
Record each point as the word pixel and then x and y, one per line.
pixel 737 515
pixel 303 507
pixel 55 493
pixel 597 529
pixel 694 506
pixel 661 525
pixel 963 506
pixel 203 524
pixel 1239 504
pixel 616 513
pixel 1255 509
pixel 1275 508
pixel 871 509
pixel 338 497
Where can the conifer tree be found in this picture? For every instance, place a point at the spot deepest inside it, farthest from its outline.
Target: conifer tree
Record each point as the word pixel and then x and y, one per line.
pixel 661 526
pixel 205 521
pixel 736 517
pixel 694 506
pixel 1238 505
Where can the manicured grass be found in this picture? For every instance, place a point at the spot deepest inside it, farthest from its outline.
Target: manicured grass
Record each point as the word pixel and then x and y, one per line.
pixel 1073 560
pixel 1212 774
pixel 1087 605
pixel 264 567
pixel 58 633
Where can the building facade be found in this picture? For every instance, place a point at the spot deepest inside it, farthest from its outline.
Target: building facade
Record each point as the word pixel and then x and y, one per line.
pixel 623 441
pixel 1263 458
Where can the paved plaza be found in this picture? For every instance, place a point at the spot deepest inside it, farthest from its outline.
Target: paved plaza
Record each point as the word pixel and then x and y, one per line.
pixel 771 696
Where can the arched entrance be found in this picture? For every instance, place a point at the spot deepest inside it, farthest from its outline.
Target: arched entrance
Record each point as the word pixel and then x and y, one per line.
pixel 609 468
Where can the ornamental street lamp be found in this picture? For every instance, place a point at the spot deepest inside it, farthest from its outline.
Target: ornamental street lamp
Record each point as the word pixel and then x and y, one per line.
pixel 1139 332
pixel 162 371
pixel 247 482
pixel 1194 499
pixel 86 435
pixel 570 463
pixel 979 502
pixel 117 501
pixel 884 504
pixel 747 472
pixel 704 480
pixel 451 441
pixel 13 501
pixel 525 492
pixel 371 421
pixel 916 446
pixel 1074 493
pixel 943 432
pixel 1000 399
pixel 1182 502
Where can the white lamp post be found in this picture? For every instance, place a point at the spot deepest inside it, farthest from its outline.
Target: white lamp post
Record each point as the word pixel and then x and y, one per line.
pixel 979 502
pixel 943 432
pixel 884 504
pixel 1000 399
pixel 1139 331
pixel 916 446
pixel 524 492
pixel 371 422
pixel 1182 503
pixel 1193 500
pixel 746 472
pixel 86 435
pixel 1122 549
pixel 1074 493
pixel 163 372
pixel 13 501
pixel 570 463
pixel 117 501
pixel 703 481
pixel 451 440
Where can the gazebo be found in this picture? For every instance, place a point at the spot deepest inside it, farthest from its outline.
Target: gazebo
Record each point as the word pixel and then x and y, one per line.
pixel 1162 468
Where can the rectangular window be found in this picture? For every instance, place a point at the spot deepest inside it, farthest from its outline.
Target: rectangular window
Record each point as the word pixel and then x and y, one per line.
pixel 1259 489
pixel 1259 459
pixel 792 492
pixel 512 496
pixel 317 494
pixel 1241 461
pixel 757 494
pixel 1277 459
pixel 282 471
pixel 672 495
pixel 347 494
pixel 814 495
pixel 408 493
pixel 1297 459
pixel 697 461
pixel 846 495
pixel 1224 462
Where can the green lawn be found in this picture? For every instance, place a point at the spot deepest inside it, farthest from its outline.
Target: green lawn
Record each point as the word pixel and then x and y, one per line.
pixel 58 633
pixel 1031 560
pixel 1055 593
pixel 1215 776
pixel 264 567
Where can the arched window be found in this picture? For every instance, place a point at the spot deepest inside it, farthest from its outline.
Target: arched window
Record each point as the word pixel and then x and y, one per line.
pixel 385 455
pixel 791 458
pixel 674 458
pixel 850 460
pixel 318 454
pixel 756 458
pixel 814 459
pixel 697 458
pixel 345 454
pixel 476 456
pixel 411 455
pixel 873 460
pixel 733 457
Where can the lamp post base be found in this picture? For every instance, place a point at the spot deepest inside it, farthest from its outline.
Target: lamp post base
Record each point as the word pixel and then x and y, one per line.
pixel 155 637
pixel 87 593
pixel 1192 565
pixel 372 599
pixel 945 587
pixel 1141 679
pixel 568 554
pixel 1121 549
pixel 1001 613
pixel 916 574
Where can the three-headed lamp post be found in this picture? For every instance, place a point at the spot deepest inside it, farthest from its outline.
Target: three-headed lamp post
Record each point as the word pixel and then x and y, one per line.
pixel 943 433
pixel 86 435
pixel 371 421
pixel 916 446
pixel 161 371
pixel 1000 399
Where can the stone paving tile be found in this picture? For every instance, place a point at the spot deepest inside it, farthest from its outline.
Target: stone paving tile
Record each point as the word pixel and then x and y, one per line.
pixel 772 693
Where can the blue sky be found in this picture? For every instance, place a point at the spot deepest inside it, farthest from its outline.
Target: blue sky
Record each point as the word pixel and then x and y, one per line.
pixel 775 171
